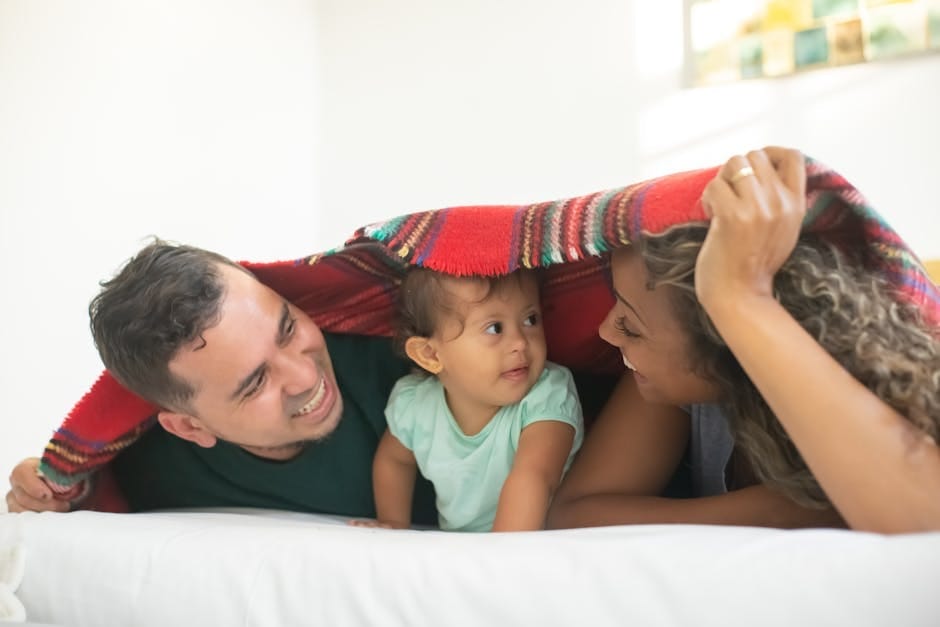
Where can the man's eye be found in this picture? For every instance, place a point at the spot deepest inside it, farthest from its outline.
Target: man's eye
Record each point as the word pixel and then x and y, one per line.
pixel 532 320
pixel 287 332
pixel 494 329
pixel 259 383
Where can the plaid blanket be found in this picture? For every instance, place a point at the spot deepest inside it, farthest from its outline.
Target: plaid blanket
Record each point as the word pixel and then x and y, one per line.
pixel 351 289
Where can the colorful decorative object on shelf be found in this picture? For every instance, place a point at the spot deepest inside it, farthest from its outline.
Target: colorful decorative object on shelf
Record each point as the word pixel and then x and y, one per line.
pixel 743 39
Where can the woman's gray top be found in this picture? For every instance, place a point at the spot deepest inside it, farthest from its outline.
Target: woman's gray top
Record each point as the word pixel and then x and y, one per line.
pixel 710 446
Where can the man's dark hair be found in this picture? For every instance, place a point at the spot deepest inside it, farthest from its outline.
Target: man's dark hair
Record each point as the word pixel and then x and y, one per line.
pixel 163 298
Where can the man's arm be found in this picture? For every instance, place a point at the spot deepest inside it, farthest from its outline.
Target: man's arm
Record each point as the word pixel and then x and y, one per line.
pixel 536 472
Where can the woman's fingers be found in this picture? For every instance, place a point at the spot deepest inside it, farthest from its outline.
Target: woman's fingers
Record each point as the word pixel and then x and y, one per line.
pixel 757 181
pixel 718 197
pixel 764 172
pixel 790 166
pixel 741 177
pixel 755 221
pixel 790 176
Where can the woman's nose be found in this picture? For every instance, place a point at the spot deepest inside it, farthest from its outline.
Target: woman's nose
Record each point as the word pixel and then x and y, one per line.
pixel 605 330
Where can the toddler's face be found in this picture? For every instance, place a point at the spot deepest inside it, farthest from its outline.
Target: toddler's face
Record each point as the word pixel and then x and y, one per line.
pixel 492 349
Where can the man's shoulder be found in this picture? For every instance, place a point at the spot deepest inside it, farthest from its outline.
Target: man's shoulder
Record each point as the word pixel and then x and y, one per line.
pixel 364 356
pixel 350 343
pixel 366 368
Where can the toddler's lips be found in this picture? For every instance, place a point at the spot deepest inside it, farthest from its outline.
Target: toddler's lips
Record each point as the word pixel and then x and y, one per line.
pixel 517 373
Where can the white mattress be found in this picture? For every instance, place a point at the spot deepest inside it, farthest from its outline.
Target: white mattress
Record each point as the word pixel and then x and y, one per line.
pixel 253 567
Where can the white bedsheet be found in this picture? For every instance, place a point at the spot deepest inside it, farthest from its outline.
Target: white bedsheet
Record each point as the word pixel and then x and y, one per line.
pixel 253 567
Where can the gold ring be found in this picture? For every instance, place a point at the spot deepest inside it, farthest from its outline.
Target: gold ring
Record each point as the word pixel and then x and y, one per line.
pixel 740 174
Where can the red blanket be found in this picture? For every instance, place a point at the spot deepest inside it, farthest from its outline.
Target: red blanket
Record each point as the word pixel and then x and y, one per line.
pixel 351 289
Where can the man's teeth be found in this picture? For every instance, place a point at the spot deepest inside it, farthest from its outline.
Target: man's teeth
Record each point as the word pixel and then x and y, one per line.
pixel 313 402
pixel 626 362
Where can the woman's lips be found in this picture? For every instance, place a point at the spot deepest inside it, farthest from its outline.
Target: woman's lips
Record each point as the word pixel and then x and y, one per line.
pixel 636 373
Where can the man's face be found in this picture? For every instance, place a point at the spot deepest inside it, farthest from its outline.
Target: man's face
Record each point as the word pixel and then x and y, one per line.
pixel 262 376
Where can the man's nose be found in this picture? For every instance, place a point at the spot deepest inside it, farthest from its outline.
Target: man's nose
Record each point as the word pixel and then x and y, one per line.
pixel 297 371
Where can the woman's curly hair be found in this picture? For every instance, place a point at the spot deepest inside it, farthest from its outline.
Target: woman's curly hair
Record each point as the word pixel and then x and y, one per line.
pixel 853 313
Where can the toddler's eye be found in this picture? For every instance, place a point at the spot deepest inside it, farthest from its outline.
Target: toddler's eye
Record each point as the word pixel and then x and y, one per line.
pixel 494 329
pixel 531 321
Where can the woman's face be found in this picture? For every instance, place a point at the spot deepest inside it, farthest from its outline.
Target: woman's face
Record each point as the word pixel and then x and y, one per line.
pixel 654 346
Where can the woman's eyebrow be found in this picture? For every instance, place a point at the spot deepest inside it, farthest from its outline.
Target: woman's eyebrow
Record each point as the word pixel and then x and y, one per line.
pixel 629 306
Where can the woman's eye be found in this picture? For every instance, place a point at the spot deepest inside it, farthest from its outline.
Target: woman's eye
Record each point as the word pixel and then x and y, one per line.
pixel 531 321
pixel 621 326
pixel 494 329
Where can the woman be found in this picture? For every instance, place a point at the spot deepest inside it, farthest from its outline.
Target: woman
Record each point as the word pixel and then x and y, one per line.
pixel 829 387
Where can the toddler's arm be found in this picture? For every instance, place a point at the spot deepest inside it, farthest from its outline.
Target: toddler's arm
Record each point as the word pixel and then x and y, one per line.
pixel 393 480
pixel 536 472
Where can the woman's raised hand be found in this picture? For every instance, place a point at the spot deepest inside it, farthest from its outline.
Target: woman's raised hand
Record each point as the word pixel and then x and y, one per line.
pixel 756 204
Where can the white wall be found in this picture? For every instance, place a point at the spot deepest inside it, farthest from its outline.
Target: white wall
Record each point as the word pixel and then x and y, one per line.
pixel 430 103
pixel 194 121
pixel 268 129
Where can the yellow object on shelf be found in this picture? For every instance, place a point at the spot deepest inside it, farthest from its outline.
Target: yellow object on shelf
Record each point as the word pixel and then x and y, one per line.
pixel 933 269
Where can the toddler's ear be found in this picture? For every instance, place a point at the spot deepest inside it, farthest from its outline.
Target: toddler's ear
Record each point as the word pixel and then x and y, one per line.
pixel 422 352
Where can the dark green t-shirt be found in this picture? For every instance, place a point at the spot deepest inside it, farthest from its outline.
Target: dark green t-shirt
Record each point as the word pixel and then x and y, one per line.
pixel 332 476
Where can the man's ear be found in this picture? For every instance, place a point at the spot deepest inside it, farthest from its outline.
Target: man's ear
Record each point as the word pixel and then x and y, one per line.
pixel 421 351
pixel 186 427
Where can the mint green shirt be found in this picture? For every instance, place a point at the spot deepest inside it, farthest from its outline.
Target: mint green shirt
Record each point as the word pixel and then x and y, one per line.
pixel 468 471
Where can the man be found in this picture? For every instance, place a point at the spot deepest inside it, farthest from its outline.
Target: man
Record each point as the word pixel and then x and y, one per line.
pixel 259 407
